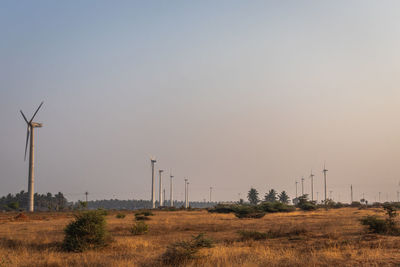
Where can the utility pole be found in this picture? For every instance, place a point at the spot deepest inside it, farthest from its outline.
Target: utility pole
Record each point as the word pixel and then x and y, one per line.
pixel 312 186
pixel 210 193
pixel 186 193
pixel 153 186
pixel 160 204
pixel 302 186
pixel 171 199
pixel 325 171
pixel 296 187
pixel 351 193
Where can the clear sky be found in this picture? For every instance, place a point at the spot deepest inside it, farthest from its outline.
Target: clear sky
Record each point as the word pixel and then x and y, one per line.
pixel 230 94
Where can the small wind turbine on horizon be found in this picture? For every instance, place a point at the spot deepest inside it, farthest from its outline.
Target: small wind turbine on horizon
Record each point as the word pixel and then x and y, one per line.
pixel 171 199
pixel 30 133
pixel 160 203
pixel 302 186
pixel 312 185
pixel 153 188
pixel 325 171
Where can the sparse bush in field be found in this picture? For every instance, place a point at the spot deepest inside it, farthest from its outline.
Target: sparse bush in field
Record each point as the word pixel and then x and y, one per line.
pixel 249 212
pixel 286 232
pixel 355 204
pixel 251 235
pixel 275 207
pixel 143 215
pixel 139 228
pixel 383 226
pixel 223 208
pixel 304 204
pixel 375 224
pixel 180 252
pixel 102 211
pixel 120 216
pixel 87 231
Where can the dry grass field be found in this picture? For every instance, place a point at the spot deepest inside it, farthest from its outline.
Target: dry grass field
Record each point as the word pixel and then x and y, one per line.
pixel 318 238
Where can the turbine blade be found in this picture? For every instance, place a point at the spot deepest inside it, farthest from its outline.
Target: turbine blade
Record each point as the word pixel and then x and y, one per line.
pixel 23 116
pixel 27 140
pixel 36 112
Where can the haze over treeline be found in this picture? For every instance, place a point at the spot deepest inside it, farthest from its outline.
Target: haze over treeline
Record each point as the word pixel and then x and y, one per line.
pixel 230 94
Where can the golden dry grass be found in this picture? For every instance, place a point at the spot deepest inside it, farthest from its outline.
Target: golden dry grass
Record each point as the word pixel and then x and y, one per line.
pixel 333 237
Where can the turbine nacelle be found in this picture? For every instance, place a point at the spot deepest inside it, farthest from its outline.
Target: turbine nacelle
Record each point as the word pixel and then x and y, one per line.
pixel 36 125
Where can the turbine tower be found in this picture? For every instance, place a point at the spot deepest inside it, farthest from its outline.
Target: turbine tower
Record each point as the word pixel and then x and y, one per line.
pixel 185 193
pixel 312 185
pixel 160 203
pixel 296 187
pixel 302 186
pixel 325 171
pixel 351 194
pixel 153 186
pixel 170 191
pixel 30 133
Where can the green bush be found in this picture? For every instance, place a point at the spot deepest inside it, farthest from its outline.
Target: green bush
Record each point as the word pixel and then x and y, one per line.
pixel 139 228
pixel 223 208
pixel 383 226
pixel 275 207
pixel 120 216
pixel 87 231
pixel 180 252
pixel 375 224
pixel 251 235
pixel 249 212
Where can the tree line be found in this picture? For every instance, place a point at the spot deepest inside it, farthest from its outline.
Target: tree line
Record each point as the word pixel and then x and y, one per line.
pixel 271 196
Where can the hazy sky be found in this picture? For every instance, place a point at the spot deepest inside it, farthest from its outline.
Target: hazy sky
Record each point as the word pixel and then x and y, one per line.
pixel 230 94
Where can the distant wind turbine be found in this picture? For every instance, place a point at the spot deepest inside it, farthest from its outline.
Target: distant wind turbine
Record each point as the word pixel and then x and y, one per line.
pixel 160 193
pixel 30 133
pixel 153 186
pixel 312 185
pixel 302 186
pixel 170 191
pixel 325 171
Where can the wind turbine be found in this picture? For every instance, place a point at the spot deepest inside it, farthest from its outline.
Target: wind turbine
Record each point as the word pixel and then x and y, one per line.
pixel 296 187
pixel 30 133
pixel 312 186
pixel 186 193
pixel 170 191
pixel 160 190
pixel 325 171
pixel 153 187
pixel 302 186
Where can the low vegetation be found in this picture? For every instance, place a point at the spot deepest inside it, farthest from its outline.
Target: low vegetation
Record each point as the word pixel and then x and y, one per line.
pixel 183 251
pixel 120 216
pixel 251 235
pixel 139 228
pixel 383 226
pixel 87 231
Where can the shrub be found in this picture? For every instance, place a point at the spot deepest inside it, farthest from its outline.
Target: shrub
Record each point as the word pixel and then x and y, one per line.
pixel 251 235
pixel 139 228
pixel 120 216
pixel 383 226
pixel 375 224
pixel 355 204
pixel 223 208
pixel 180 252
pixel 275 207
pixel 87 231
pixel 286 232
pixel 249 212
pixel 305 204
